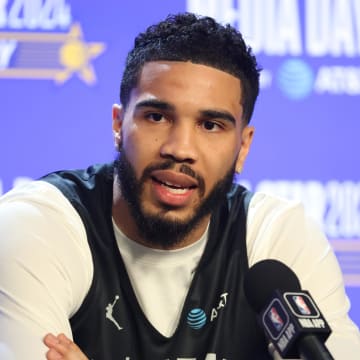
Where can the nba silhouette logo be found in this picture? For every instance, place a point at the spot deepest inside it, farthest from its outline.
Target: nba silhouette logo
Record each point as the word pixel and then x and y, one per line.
pixel 276 319
pixel 301 305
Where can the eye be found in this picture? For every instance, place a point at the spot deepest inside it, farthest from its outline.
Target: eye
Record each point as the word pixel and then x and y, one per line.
pixel 156 117
pixel 211 125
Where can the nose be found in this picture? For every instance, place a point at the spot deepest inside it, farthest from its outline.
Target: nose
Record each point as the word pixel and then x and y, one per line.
pixel 180 144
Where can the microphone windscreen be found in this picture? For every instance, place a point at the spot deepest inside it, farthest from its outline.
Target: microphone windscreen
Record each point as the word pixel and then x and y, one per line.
pixel 263 278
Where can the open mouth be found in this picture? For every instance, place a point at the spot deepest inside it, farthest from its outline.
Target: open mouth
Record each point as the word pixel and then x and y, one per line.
pixel 174 188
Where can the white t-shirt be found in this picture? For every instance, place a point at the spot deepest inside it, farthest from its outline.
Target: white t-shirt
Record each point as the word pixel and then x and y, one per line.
pixel 43 247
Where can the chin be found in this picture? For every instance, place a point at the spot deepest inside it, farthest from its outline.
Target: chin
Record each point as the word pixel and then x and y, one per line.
pixel 172 215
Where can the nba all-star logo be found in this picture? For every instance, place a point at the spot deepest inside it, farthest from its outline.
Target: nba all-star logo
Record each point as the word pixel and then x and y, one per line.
pixel 44 28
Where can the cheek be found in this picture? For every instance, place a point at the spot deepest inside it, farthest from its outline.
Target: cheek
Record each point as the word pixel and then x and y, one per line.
pixel 218 164
pixel 222 155
pixel 139 150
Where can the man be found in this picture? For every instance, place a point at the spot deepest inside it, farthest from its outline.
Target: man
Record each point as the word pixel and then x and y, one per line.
pixel 145 258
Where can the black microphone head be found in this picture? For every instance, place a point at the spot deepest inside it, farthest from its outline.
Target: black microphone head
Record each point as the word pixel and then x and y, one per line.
pixel 263 278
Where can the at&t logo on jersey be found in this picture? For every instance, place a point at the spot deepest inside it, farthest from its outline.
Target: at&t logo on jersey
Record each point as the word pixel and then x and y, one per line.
pixel 196 318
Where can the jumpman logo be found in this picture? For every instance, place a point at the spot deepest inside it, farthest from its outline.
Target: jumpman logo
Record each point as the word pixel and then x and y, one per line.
pixel 109 312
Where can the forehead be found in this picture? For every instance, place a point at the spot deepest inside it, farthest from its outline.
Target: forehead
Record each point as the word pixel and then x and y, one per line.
pixel 186 83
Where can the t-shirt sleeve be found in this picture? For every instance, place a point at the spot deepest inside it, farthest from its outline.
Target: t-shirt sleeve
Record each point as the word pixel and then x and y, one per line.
pixel 280 230
pixel 45 268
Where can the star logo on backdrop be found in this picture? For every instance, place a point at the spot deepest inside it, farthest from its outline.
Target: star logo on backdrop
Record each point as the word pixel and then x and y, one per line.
pixel 75 55
pixel 57 56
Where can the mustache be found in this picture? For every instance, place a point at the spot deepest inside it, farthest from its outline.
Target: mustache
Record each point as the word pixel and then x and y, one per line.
pixel 171 164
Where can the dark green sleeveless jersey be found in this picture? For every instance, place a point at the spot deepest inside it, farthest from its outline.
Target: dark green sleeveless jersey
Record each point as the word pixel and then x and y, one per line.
pixel 216 322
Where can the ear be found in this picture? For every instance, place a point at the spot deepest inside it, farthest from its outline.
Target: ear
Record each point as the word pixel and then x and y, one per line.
pixel 117 120
pixel 246 140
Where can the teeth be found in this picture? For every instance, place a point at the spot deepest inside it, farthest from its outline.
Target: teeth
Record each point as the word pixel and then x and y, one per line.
pixel 171 184
pixel 175 190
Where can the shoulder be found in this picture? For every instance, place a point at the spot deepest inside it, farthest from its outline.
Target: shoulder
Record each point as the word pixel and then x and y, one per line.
pixel 37 219
pixel 34 203
pixel 281 229
pixel 267 206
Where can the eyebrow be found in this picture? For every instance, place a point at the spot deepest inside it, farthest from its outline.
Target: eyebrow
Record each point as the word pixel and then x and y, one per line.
pixel 216 114
pixel 153 103
pixel 165 106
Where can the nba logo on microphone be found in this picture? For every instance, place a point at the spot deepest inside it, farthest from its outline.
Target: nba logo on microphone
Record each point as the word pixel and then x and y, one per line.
pixel 275 318
pixel 301 305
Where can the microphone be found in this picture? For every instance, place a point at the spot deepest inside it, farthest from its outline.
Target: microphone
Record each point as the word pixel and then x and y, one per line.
pixel 289 316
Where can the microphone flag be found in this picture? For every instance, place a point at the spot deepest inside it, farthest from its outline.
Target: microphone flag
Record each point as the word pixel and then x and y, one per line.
pixel 289 317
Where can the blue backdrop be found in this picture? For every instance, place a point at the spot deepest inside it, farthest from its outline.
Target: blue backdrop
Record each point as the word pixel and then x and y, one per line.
pixel 61 62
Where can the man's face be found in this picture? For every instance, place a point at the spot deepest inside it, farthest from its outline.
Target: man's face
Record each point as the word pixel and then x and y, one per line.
pixel 181 136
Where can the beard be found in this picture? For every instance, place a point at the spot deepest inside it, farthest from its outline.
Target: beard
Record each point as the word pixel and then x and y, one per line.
pixel 159 229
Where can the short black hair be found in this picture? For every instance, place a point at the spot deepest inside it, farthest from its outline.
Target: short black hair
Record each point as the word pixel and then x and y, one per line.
pixel 200 40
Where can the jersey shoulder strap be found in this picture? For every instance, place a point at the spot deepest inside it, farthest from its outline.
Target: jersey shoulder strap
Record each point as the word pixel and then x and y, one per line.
pixel 237 191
